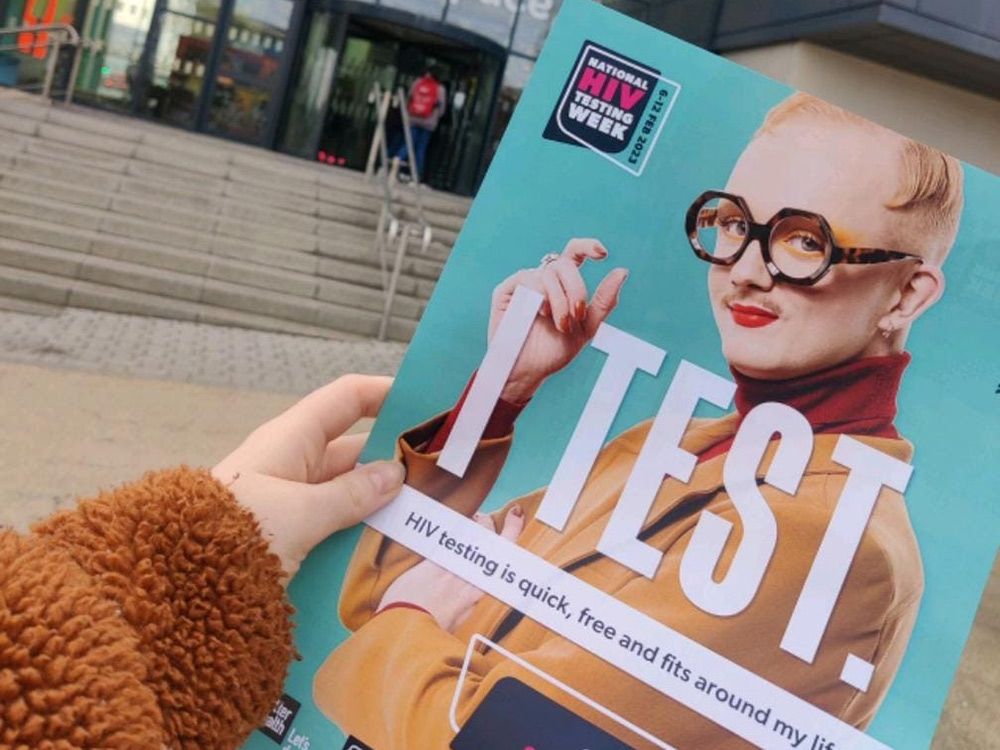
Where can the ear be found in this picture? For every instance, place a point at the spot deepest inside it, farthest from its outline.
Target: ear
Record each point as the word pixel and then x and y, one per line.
pixel 920 290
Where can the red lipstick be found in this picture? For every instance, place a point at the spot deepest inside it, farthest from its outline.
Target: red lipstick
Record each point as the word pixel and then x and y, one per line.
pixel 750 316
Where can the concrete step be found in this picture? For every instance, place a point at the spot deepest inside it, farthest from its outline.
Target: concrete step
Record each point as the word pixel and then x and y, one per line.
pixel 20 249
pixel 20 288
pixel 14 304
pixel 111 135
pixel 186 225
pixel 353 263
pixel 60 278
pixel 421 266
pixel 169 203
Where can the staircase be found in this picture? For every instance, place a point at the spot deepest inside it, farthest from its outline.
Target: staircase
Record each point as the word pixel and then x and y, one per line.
pixel 110 213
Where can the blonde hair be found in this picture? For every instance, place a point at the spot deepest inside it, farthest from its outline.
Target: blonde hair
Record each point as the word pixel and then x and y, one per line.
pixel 930 190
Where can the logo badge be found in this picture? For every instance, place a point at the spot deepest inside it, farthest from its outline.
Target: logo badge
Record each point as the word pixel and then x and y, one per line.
pixel 280 719
pixel 613 105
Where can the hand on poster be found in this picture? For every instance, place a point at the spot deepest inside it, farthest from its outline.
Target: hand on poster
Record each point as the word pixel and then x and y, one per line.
pixel 296 472
pixel 567 320
pixel 446 597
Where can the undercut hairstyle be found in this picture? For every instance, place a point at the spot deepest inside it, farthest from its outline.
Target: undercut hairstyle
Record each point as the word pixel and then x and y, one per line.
pixel 929 193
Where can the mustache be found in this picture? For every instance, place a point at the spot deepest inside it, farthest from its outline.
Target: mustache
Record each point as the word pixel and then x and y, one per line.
pixel 742 299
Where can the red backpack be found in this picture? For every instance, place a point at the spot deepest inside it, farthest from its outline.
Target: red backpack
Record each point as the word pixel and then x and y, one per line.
pixel 423 98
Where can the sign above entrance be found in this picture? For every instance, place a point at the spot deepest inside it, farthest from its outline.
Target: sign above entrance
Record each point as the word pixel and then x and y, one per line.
pixel 539 10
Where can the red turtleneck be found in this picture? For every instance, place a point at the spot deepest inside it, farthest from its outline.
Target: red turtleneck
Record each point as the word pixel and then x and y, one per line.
pixel 856 398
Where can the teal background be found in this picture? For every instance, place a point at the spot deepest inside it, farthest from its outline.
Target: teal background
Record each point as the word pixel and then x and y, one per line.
pixel 539 193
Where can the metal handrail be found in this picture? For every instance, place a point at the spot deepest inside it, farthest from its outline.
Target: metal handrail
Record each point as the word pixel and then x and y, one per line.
pixel 59 35
pixel 391 228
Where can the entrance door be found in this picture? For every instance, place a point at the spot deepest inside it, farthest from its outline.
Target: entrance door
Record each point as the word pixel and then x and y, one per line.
pixel 393 55
pixel 350 120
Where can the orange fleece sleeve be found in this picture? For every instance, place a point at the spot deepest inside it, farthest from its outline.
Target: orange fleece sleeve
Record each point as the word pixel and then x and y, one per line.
pixel 150 616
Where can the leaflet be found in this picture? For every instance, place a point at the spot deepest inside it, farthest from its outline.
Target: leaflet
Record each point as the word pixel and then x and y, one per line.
pixel 699 429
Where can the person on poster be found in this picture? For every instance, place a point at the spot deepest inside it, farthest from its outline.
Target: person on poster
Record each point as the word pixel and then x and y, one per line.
pixel 822 250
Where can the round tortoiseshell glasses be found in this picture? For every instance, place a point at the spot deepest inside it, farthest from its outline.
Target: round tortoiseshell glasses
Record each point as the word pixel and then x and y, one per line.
pixel 797 246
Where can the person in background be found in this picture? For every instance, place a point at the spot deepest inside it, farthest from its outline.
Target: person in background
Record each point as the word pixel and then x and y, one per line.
pixel 425 104
pixel 154 615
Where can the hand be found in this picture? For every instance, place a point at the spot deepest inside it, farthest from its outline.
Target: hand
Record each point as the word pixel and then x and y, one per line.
pixel 296 473
pixel 566 321
pixel 448 598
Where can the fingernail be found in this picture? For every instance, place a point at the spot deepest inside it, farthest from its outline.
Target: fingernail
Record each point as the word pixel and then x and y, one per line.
pixel 564 324
pixel 621 286
pixel 517 511
pixel 386 475
pixel 581 311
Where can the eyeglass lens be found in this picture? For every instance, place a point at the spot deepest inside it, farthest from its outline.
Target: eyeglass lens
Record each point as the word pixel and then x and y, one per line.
pixel 798 245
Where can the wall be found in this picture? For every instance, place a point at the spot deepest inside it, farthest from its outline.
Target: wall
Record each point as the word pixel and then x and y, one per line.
pixel 960 122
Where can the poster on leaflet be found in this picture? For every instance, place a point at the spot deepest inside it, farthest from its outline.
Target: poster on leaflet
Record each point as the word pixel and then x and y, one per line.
pixel 699 429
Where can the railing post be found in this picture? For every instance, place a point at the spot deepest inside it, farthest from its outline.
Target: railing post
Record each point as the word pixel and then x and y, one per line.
pixel 74 71
pixel 50 68
pixel 54 36
pixel 390 294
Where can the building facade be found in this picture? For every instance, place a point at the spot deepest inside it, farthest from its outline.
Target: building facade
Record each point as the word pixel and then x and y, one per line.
pixel 296 75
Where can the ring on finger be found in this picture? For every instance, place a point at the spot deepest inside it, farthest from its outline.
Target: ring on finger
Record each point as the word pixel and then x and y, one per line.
pixel 548 259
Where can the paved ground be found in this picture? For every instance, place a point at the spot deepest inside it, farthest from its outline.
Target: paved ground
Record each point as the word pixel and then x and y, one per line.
pixel 180 351
pixel 91 399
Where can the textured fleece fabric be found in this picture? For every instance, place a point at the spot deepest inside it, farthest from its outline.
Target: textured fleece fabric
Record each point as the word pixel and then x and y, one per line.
pixel 151 617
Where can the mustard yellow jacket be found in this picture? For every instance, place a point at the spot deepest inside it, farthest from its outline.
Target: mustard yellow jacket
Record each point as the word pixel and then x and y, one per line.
pixel 391 683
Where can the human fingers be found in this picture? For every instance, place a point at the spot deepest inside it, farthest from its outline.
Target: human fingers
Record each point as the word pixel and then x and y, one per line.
pixel 513 524
pixel 529 277
pixel 350 498
pixel 555 296
pixel 574 287
pixel 581 248
pixel 604 300
pixel 338 405
pixel 341 455
pixel 486 521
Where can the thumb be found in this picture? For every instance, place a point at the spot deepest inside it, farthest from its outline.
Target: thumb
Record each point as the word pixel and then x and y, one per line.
pixel 604 300
pixel 513 524
pixel 353 496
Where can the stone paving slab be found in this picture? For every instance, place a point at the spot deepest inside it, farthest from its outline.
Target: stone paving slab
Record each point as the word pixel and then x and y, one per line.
pixel 66 434
pixel 138 346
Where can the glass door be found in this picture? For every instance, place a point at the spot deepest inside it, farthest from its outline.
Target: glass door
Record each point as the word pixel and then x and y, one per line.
pixel 247 75
pixel 114 34
pixel 180 59
pixel 350 120
pixel 313 84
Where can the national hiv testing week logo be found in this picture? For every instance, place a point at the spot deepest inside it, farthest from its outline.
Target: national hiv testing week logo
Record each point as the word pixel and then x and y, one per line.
pixel 614 106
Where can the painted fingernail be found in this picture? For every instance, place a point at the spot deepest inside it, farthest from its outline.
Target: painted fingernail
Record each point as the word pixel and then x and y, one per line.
pixel 386 476
pixel 564 324
pixel 517 511
pixel 581 311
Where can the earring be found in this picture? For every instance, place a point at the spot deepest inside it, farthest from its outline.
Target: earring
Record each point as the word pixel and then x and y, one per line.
pixel 887 330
